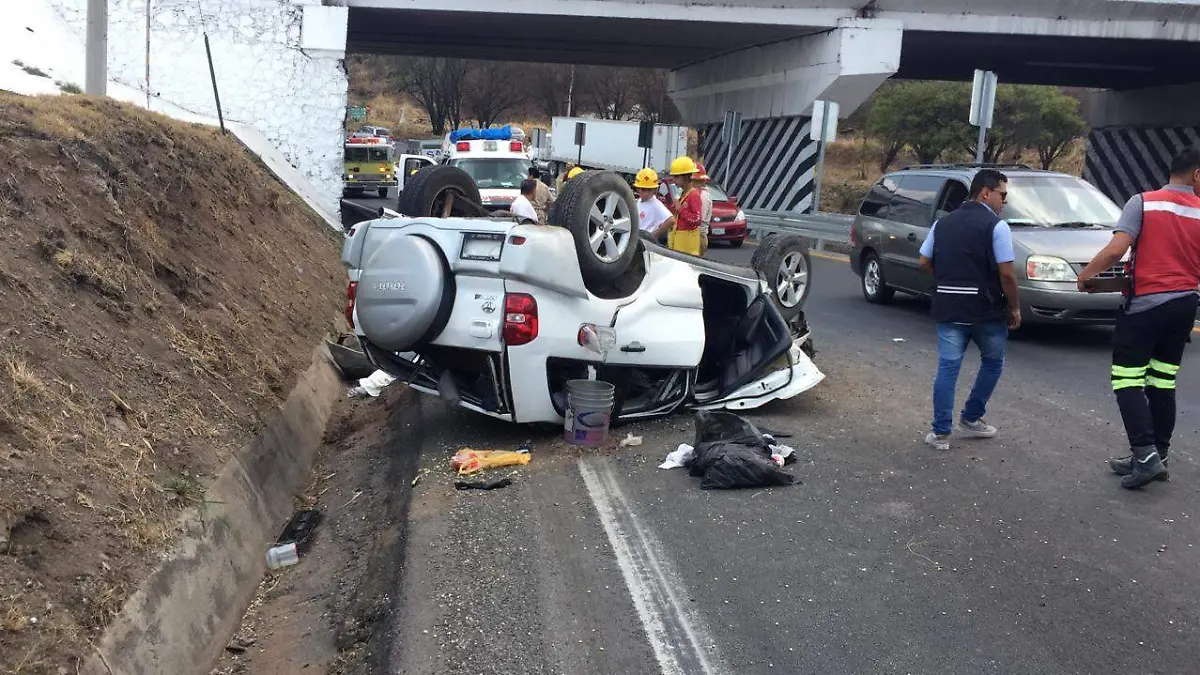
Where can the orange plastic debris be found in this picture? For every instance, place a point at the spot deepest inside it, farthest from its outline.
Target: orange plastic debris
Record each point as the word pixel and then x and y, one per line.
pixel 468 460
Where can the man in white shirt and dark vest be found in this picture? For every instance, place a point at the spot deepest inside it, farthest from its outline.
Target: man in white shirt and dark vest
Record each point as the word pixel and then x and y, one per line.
pixel 1162 228
pixel 970 255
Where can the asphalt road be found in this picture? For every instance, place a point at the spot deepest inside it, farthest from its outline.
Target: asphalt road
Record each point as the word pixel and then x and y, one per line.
pixel 1015 555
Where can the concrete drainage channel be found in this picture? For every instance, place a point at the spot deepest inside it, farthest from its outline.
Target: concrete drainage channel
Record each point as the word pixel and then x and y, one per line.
pixel 180 619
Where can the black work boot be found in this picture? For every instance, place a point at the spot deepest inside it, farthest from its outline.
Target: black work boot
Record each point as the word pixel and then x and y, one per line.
pixel 1145 470
pixel 1122 466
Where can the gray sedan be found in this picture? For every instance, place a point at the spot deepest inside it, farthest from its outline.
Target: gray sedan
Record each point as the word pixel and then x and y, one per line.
pixel 1058 223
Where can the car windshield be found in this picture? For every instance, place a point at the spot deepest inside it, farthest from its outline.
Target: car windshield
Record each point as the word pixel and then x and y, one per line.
pixel 360 154
pixel 495 173
pixel 1057 201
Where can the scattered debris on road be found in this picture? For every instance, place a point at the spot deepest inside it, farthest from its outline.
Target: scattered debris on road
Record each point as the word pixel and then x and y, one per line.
pixel 631 441
pixel 483 484
pixel 468 461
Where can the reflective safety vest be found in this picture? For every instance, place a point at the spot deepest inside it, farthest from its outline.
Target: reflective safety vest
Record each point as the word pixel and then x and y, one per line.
pixel 1166 255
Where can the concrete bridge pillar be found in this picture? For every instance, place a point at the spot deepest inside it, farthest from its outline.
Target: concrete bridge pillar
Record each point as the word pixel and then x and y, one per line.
pixel 773 86
pixel 1135 133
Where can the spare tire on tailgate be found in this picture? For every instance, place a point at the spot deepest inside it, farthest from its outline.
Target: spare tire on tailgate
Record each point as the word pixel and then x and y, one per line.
pixel 427 193
pixel 405 294
pixel 600 210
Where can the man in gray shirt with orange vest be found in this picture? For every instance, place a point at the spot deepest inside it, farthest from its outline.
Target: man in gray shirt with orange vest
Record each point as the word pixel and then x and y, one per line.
pixel 1163 229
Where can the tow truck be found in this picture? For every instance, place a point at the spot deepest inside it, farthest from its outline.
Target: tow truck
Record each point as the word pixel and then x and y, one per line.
pixel 494 159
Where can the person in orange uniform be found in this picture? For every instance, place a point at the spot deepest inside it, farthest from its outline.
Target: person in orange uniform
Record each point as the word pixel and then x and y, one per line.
pixel 685 235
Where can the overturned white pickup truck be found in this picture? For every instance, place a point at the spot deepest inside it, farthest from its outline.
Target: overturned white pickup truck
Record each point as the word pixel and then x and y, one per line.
pixel 497 316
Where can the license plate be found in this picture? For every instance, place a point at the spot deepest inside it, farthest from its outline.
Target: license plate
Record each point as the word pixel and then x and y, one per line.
pixel 489 146
pixel 479 246
pixel 718 230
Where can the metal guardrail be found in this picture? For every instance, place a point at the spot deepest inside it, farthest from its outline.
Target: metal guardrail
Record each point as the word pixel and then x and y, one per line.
pixel 822 227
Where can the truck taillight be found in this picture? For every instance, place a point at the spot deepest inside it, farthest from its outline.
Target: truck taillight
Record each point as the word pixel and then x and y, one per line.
pixel 463 146
pixel 520 319
pixel 515 146
pixel 351 292
pixel 853 235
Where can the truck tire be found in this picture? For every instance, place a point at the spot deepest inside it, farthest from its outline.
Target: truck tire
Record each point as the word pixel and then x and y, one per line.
pixel 600 211
pixel 783 260
pixel 425 193
pixel 405 294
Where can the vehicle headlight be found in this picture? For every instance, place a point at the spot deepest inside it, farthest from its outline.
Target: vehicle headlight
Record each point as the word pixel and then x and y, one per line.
pixel 1048 268
pixel 741 215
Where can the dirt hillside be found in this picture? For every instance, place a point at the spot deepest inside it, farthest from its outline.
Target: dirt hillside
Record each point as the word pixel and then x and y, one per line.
pixel 159 293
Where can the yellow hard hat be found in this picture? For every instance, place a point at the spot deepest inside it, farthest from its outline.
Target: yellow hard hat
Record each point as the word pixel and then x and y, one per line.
pixel 646 178
pixel 574 172
pixel 683 166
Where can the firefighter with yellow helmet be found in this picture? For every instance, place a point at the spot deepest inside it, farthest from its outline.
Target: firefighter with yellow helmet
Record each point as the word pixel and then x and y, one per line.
pixel 685 235
pixel 654 218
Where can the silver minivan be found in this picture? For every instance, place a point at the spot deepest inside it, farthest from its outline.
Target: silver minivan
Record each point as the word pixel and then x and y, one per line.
pixel 1058 222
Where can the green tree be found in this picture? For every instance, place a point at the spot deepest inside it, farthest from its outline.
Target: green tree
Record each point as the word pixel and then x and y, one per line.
pixel 928 117
pixel 1030 117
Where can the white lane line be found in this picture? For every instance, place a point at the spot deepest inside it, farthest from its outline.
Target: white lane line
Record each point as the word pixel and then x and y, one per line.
pixel 681 644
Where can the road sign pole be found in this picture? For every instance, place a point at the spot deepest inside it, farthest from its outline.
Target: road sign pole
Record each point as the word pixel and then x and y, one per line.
pixel 983 102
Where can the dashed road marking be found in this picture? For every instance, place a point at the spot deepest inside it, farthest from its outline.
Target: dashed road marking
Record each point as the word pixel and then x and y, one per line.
pixel 681 644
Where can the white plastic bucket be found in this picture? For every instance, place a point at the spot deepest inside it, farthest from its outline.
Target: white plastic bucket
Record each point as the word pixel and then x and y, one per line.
pixel 589 411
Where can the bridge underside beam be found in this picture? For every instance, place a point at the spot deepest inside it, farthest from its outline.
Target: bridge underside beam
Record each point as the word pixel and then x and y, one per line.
pixel 774 87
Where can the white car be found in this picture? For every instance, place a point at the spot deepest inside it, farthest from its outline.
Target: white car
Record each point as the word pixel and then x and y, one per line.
pixel 496 317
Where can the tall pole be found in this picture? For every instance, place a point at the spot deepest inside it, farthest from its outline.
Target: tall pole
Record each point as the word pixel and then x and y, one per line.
pixel 570 90
pixel 95 78
pixel 980 143
pixel 212 73
pixel 147 54
pixel 821 158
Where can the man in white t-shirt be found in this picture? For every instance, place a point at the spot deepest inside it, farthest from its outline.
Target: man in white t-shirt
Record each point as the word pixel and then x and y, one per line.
pixel 522 207
pixel 653 216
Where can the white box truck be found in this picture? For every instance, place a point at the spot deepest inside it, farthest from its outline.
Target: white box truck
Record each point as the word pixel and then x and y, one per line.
pixel 613 144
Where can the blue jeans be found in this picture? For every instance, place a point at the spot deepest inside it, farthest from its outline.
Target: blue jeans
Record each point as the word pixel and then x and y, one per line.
pixel 953 338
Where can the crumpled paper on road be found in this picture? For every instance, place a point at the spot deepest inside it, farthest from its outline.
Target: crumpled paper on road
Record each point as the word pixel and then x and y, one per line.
pixel 679 457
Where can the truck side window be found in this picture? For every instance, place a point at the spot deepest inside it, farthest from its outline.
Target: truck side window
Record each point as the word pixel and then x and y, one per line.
pixel 877 199
pixel 914 200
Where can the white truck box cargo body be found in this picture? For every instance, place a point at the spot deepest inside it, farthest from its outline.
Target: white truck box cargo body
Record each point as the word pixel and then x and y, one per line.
pixel 613 144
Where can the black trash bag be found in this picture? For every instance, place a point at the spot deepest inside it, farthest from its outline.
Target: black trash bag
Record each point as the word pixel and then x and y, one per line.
pixel 716 426
pixel 728 466
pixel 731 453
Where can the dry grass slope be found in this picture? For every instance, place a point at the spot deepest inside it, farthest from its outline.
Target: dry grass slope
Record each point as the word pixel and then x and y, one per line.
pixel 159 292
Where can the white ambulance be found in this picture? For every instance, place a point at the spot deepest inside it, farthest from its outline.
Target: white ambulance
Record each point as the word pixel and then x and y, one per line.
pixel 495 159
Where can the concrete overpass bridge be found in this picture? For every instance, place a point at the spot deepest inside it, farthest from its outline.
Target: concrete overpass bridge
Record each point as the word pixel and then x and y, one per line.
pixel 768 59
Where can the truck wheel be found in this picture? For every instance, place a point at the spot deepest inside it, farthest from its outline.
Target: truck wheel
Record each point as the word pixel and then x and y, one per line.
pixel 428 191
pixel 405 294
pixel 783 260
pixel 600 211
pixel 383 192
